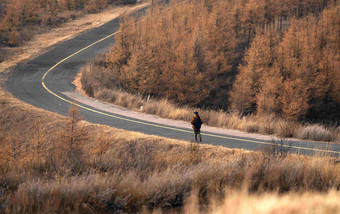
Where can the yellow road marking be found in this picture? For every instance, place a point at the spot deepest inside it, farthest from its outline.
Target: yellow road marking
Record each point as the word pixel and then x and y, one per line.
pixel 150 124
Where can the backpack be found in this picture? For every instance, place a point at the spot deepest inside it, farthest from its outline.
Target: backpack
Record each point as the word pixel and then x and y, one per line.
pixel 198 123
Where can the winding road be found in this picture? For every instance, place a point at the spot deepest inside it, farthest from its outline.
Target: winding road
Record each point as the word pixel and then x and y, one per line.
pixel 44 81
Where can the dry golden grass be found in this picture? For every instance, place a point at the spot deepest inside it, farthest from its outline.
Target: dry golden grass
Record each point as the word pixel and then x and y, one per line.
pixel 117 170
pixel 317 133
pixel 304 203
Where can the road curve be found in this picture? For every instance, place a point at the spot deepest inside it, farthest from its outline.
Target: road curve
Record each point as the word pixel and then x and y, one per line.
pixel 44 80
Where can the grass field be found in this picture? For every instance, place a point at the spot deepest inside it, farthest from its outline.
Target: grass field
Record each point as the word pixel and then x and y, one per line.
pixel 48 167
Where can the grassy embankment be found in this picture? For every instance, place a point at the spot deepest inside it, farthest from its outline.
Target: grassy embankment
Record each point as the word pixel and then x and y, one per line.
pixel 47 167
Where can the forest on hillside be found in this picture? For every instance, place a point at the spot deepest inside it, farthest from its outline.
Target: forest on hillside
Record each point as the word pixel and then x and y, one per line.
pixel 21 19
pixel 254 57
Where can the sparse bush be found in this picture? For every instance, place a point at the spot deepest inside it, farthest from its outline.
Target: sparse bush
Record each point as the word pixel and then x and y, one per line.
pixel 287 129
pixel 14 38
pixel 279 149
pixel 316 132
pixel 72 140
pixel 252 127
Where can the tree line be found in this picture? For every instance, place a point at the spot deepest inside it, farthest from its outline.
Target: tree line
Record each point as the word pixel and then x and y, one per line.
pixel 297 75
pixel 21 19
pixel 266 56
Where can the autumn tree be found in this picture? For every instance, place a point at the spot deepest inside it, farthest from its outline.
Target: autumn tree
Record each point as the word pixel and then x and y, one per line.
pixel 72 140
pixel 268 99
pixel 309 53
pixel 328 69
pixel 254 74
pixel 39 144
pixel 260 53
pixel 12 149
pixel 297 76
pixel 174 53
pixel 294 99
pixel 119 54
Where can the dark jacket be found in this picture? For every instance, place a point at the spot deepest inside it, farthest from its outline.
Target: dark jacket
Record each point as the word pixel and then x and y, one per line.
pixel 193 121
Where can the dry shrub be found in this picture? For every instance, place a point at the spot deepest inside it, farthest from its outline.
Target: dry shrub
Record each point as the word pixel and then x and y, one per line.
pixel 216 118
pixel 87 86
pixel 252 127
pixel 267 123
pixel 286 129
pixel 120 98
pixel 167 109
pixel 233 120
pixel 14 38
pixel 316 132
pixel 106 95
pixel 279 149
pixel 63 195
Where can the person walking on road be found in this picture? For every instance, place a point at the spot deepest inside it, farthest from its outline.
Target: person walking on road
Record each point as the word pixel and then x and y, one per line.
pixel 196 123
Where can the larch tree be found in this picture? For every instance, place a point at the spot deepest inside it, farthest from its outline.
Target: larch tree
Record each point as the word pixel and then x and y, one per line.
pixel 327 47
pixel 119 54
pixel 269 100
pixel 258 60
pixel 294 99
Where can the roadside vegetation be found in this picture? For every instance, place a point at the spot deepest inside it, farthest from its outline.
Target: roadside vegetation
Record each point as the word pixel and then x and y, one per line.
pixel 265 124
pixel 268 67
pixel 63 164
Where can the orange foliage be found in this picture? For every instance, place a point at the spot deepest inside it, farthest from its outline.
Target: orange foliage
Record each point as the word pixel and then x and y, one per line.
pixel 305 62
pixel 18 16
pixel 176 53
pixel 188 52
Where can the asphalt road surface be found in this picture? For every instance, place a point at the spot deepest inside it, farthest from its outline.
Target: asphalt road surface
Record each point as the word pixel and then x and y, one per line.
pixel 42 81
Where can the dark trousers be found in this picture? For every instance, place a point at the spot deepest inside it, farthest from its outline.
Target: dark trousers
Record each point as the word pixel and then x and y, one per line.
pixel 198 132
